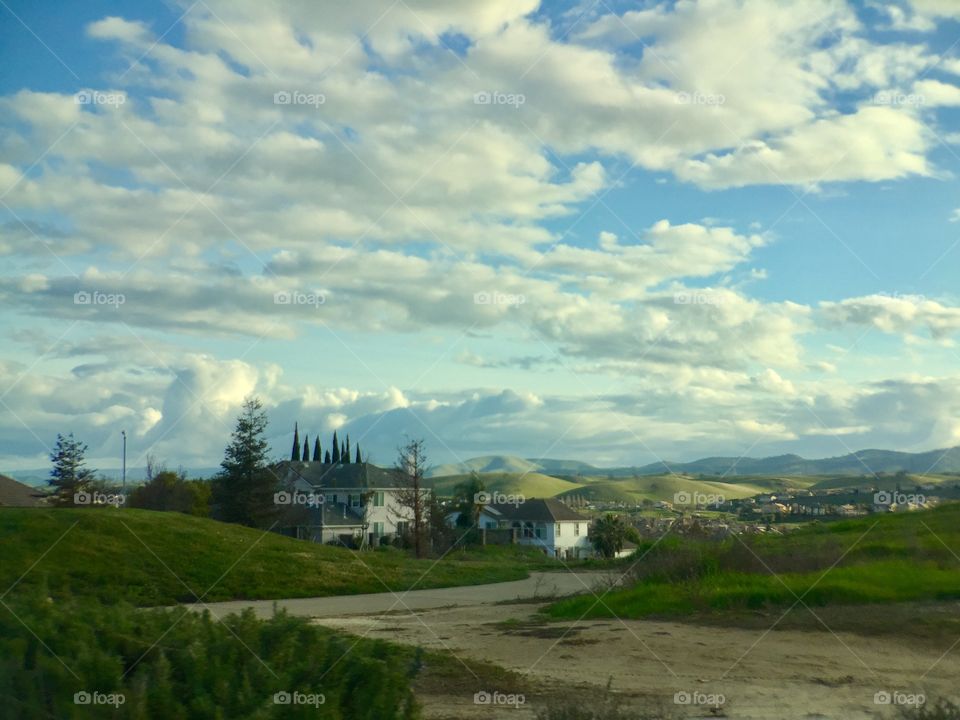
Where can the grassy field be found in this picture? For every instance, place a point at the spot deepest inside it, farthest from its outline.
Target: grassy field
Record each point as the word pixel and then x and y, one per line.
pixel 911 557
pixel 152 558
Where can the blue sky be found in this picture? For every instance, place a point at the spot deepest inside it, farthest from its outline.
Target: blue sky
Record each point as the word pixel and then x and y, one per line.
pixel 675 229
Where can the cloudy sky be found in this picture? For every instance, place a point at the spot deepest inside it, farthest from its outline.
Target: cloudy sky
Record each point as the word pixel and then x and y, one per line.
pixel 609 231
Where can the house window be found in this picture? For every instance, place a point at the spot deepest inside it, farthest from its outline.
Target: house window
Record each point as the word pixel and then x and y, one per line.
pixel 539 531
pixel 355 501
pixel 576 529
pixel 378 529
pixel 378 499
pixel 556 530
pixel 332 497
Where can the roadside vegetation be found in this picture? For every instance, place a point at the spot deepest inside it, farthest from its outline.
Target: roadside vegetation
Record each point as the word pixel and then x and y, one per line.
pixel 894 558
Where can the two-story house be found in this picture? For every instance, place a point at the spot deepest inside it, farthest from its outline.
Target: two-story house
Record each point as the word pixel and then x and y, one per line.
pixel 544 523
pixel 353 503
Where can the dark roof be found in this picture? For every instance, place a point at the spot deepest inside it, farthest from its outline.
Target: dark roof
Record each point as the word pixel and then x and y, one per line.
pixel 341 475
pixel 538 510
pixel 16 494
pixel 333 515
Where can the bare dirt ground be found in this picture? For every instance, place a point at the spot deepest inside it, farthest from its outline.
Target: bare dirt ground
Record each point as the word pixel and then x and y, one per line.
pixel 761 674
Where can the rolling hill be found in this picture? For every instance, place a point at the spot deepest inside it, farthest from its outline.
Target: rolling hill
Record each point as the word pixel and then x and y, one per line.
pixel 531 485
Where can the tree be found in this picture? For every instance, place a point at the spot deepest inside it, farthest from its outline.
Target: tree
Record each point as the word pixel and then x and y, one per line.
pixel 68 476
pixel 609 533
pixel 326 457
pixel 243 490
pixel 346 454
pixel 295 452
pixel 306 448
pixel 468 498
pixel 336 448
pixel 412 495
pixel 358 460
pixel 171 491
pixel 316 449
pixel 343 453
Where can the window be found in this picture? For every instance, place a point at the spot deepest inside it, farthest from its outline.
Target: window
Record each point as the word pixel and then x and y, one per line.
pixel 378 528
pixel 539 531
pixel 576 529
pixel 556 530
pixel 332 497
pixel 378 499
pixel 355 500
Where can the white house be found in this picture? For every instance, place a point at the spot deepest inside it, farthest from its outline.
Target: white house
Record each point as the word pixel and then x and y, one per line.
pixel 353 503
pixel 545 523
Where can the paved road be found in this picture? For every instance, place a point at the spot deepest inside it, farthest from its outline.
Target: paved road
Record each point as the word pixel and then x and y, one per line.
pixel 537 585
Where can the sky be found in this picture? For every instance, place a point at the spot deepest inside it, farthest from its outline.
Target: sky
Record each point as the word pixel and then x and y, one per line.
pixel 619 232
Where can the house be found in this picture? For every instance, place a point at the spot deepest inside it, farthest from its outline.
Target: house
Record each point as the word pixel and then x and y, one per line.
pixel 544 523
pixel 15 494
pixel 356 504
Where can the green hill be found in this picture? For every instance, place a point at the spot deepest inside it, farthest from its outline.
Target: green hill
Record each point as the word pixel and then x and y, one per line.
pixel 486 464
pixel 530 485
pixel 154 558
pixel 665 487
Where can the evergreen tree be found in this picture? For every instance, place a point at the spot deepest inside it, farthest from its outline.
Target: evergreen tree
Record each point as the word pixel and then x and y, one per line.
pixel 343 453
pixel 316 449
pixel 358 460
pixel 243 490
pixel 346 454
pixel 336 448
pixel 326 457
pixel 295 452
pixel 68 476
pixel 306 448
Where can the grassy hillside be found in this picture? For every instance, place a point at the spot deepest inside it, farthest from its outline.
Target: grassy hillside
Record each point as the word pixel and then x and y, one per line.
pixel 665 487
pixel 526 484
pixel 142 556
pixel 486 464
pixel 878 559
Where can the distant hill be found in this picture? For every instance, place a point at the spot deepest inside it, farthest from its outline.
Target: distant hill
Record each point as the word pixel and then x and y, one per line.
pixel 532 484
pixel 514 464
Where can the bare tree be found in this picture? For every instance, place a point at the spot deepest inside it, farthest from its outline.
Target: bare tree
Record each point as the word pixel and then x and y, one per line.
pixel 412 495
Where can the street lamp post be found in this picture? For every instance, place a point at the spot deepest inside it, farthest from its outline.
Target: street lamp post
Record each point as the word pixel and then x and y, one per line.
pixel 124 433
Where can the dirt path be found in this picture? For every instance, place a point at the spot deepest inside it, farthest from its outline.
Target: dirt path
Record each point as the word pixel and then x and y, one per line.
pixel 776 675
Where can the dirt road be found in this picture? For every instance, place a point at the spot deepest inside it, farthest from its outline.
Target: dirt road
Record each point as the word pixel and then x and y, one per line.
pixel 723 672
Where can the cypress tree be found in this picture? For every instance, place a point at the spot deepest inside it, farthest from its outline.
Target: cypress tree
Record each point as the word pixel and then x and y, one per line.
pixel 336 449
pixel 346 454
pixel 306 448
pixel 326 457
pixel 343 453
pixel 358 460
pixel 316 449
pixel 295 452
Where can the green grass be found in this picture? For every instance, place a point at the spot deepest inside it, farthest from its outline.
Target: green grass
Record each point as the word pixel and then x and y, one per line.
pixel 531 485
pixel 142 556
pixel 874 560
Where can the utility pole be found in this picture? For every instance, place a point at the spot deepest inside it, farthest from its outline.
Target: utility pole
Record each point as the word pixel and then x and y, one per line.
pixel 124 433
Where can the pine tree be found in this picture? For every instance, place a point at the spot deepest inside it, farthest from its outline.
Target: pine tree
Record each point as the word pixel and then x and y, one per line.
pixel 358 460
pixel 306 448
pixel 68 475
pixel 336 449
pixel 243 490
pixel 295 452
pixel 326 457
pixel 346 454
pixel 316 449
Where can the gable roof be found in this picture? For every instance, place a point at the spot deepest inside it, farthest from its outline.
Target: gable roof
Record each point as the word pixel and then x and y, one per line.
pixel 15 494
pixel 538 510
pixel 341 475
